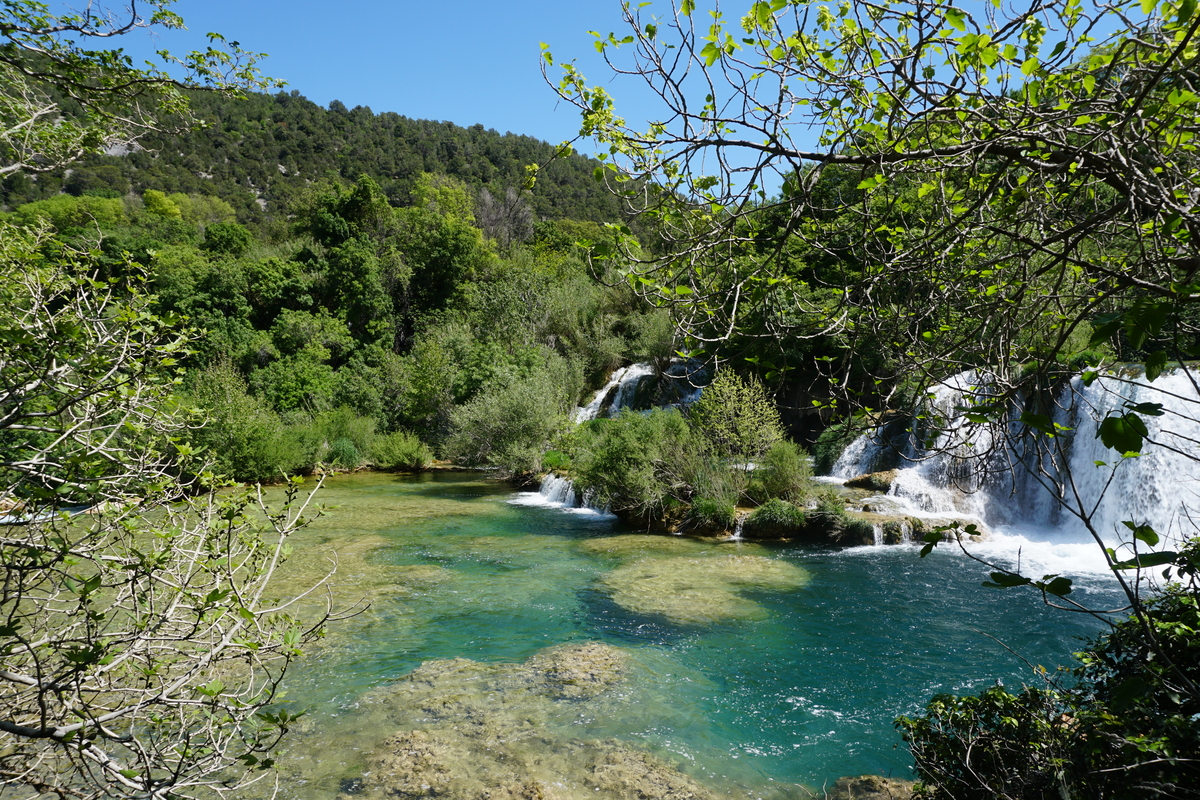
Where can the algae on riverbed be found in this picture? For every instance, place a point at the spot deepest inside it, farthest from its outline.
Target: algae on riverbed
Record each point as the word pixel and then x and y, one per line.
pixel 690 581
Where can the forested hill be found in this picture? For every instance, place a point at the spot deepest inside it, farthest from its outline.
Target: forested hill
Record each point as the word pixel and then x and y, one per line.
pixel 270 146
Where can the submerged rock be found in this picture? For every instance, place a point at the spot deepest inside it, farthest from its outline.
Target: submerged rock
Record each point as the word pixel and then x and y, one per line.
pixel 575 671
pixel 699 590
pixel 446 764
pixel 470 730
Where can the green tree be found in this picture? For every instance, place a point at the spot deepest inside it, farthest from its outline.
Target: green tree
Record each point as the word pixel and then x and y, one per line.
pixel 737 417
pixel 998 188
pixel 509 423
pixel 138 651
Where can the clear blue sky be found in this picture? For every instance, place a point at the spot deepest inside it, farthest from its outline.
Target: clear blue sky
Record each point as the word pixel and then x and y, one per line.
pixel 466 61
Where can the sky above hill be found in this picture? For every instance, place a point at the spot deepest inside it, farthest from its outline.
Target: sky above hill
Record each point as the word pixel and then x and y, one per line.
pixel 465 61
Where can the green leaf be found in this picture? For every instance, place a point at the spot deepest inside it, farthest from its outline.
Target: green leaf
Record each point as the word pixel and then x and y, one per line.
pixel 1155 363
pixel 1006 580
pixel 1109 325
pixel 1059 586
pixel 1148 560
pixel 1143 533
pixel 1123 433
pixel 1149 409
pixel 1039 422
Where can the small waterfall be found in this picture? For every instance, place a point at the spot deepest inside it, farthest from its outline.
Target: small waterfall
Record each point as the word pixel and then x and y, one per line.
pixel 679 390
pixel 559 492
pixel 998 474
pixel 738 524
pixel 878 531
pixel 618 393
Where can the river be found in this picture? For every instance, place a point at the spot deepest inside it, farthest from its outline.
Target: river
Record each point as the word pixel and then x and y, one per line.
pixel 750 669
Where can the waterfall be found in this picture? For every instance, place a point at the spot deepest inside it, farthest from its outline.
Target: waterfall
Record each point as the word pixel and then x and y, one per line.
pixel 618 393
pixel 559 492
pixel 621 391
pixel 996 474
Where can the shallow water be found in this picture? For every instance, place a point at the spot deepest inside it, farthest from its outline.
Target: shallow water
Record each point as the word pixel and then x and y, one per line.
pixel 753 669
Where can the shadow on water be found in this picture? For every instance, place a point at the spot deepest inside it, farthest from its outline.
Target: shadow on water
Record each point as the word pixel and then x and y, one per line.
pixel 609 621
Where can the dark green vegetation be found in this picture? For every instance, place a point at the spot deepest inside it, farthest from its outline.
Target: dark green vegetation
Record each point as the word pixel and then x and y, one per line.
pixel 691 469
pixel 1126 727
pixel 274 147
pixel 330 339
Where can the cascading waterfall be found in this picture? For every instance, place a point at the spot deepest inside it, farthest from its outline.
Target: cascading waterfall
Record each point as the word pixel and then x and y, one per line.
pixel 992 474
pixel 621 391
pixel 559 492
pixel 618 393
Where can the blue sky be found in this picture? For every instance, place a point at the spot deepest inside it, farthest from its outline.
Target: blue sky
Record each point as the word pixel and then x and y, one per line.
pixel 466 61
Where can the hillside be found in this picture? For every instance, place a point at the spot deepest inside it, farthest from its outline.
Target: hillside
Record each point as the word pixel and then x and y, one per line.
pixel 269 147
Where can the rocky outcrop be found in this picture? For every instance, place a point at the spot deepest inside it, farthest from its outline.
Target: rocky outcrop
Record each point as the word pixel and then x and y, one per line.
pixel 577 671
pixel 874 481
pixel 444 764
pixel 870 787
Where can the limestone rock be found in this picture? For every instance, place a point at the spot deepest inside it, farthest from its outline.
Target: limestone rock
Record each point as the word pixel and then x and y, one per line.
pixel 875 481
pixel 870 787
pixel 470 730
pixel 576 671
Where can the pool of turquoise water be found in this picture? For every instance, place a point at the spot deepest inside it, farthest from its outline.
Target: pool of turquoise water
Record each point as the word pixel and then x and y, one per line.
pixel 795 686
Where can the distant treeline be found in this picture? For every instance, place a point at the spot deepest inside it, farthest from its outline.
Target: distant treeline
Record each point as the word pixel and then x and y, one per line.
pixel 263 150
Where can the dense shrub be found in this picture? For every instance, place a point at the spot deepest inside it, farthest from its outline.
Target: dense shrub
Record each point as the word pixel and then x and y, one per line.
pixel 777 513
pixel 400 450
pixel 737 417
pixel 638 462
pixel 712 513
pixel 227 238
pixel 244 439
pixel 555 460
pixel 993 745
pixel 344 453
pixel 783 472
pixel 68 214
pixel 509 424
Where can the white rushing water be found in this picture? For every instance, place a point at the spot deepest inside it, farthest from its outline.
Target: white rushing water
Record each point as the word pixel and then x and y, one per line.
pixel 559 492
pixel 618 393
pixel 1033 499
pixel 678 391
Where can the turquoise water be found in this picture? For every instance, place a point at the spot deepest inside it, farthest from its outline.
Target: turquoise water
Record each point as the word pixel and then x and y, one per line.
pixel 782 666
